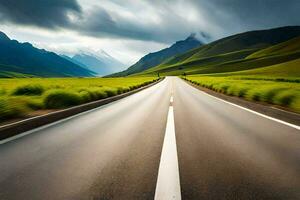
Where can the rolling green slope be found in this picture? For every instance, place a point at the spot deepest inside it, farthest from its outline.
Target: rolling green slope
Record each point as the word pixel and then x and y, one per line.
pixel 287 69
pixel 243 51
pixel 7 74
pixel 205 61
pixel 222 63
pixel 245 64
pixel 289 46
pixel 7 71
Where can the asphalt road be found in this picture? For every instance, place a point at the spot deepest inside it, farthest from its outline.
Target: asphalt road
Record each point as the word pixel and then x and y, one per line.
pixel 114 152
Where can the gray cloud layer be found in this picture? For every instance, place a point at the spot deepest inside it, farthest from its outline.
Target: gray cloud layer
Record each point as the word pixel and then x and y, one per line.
pixel 255 13
pixel 47 14
pixel 162 21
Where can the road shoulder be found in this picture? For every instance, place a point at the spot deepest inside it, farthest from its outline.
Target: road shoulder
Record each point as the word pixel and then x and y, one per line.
pixel 18 127
pixel 260 107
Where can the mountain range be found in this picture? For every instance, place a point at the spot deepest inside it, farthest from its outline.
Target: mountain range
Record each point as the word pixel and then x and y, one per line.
pixel 244 51
pixel 153 59
pixel 101 62
pixel 23 59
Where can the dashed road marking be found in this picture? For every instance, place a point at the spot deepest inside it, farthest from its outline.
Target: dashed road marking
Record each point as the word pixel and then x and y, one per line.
pixel 168 183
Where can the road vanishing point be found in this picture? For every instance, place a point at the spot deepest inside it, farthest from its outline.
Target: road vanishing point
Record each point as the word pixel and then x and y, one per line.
pixel 169 141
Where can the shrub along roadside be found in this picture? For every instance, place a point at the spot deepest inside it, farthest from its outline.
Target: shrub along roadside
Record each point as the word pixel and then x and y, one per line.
pixel 283 94
pixel 61 99
pixel 58 98
pixel 27 98
pixel 31 89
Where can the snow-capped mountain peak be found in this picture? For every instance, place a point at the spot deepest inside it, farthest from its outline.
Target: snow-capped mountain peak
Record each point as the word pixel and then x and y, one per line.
pixel 99 61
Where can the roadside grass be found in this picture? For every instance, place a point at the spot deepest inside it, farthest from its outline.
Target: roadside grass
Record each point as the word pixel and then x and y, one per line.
pixel 264 89
pixel 19 96
pixel 11 109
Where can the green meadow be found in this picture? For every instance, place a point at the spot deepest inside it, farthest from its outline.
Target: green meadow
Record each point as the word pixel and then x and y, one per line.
pixel 250 65
pixel 22 96
pixel 277 84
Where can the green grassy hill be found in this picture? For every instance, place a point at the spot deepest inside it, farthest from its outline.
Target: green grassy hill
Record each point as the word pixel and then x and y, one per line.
pixel 205 61
pixel 7 71
pixel 287 47
pixel 285 70
pixel 238 52
pixel 244 64
pixel 153 59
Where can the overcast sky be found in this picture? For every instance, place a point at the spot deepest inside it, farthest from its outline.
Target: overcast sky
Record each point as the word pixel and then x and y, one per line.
pixel 128 29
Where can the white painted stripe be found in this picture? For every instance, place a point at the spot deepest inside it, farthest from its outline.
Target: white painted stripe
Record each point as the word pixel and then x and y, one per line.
pixel 168 184
pixel 257 113
pixel 171 100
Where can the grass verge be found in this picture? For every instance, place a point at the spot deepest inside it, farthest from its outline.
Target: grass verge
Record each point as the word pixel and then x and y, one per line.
pixel 20 96
pixel 273 91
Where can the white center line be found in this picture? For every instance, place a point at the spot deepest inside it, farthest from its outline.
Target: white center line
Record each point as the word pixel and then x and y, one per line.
pixel 168 183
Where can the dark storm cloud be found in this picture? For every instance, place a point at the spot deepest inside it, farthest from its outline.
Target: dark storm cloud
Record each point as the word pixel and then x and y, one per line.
pixel 255 14
pixel 102 23
pixel 42 13
pixel 154 20
pixel 221 17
